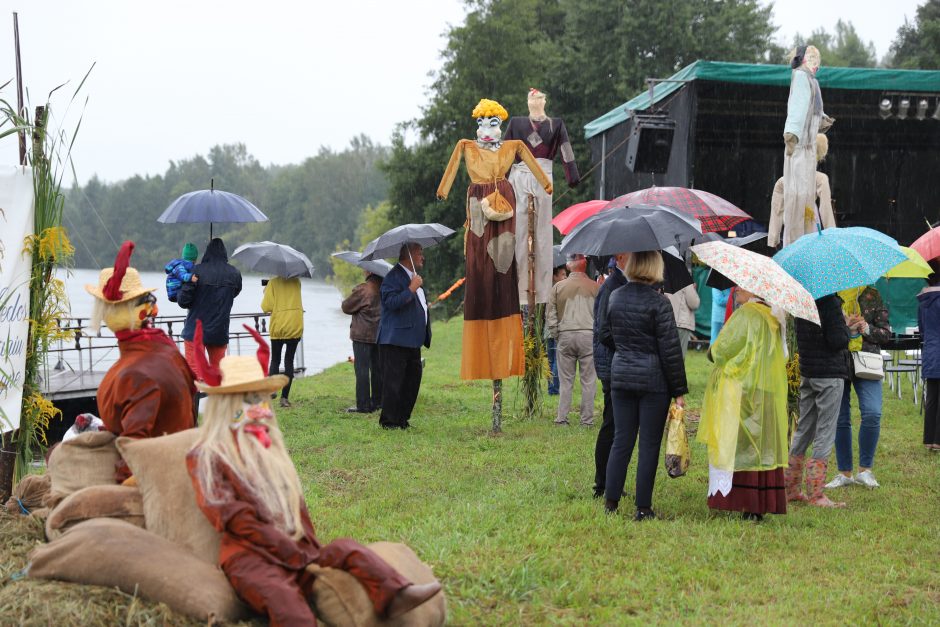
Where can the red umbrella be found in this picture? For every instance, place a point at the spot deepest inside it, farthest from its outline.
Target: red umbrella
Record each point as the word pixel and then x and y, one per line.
pixel 714 212
pixel 576 214
pixel 928 244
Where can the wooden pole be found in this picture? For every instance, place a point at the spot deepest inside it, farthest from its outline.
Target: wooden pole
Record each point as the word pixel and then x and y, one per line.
pixel 497 405
pixel 20 109
pixel 531 242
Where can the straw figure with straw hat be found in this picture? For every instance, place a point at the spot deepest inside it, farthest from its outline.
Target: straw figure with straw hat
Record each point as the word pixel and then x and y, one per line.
pixel 149 390
pixel 248 488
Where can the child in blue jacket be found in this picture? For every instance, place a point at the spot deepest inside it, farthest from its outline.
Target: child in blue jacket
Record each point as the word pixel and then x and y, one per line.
pixel 180 271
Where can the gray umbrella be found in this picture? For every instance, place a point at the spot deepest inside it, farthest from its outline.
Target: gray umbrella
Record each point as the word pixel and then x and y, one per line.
pixel 272 258
pixel 211 205
pixel 377 266
pixel 389 243
pixel 632 229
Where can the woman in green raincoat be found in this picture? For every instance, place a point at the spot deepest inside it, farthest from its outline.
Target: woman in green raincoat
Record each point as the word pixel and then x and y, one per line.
pixel 744 416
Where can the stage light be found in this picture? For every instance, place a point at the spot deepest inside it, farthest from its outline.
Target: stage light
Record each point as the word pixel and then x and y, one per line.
pixel 904 105
pixel 921 109
pixel 884 109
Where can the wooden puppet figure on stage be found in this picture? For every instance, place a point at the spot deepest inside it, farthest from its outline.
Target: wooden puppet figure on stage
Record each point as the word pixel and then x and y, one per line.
pixel 805 118
pixel 492 333
pixel 545 137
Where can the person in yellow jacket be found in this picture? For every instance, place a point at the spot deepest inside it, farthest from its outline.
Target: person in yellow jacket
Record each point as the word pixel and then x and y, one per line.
pixel 282 300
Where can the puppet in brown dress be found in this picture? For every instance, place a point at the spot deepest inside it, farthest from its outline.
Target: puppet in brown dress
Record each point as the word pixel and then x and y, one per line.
pixel 248 488
pixel 492 332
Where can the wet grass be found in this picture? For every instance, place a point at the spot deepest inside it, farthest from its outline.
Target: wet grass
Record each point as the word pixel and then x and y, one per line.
pixel 509 525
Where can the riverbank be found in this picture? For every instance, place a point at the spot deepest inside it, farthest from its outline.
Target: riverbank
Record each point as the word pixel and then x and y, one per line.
pixel 510 527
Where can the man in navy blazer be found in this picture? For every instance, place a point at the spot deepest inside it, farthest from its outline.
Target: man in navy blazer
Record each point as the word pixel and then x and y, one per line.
pixel 405 326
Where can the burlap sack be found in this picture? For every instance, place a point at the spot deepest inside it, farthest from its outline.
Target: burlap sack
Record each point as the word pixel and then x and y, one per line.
pixel 97 501
pixel 29 494
pixel 85 460
pixel 341 601
pixel 170 509
pixel 113 553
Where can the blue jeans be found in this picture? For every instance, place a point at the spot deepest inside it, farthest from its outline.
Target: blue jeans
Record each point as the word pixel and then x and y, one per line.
pixel 550 346
pixel 869 404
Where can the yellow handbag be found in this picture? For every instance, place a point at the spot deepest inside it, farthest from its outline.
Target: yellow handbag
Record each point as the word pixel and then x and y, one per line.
pixel 495 207
pixel 678 455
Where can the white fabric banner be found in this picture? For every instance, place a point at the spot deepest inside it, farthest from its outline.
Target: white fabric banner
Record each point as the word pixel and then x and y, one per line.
pixel 16 223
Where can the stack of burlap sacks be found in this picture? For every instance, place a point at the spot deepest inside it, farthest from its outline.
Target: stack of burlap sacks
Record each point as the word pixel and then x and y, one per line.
pixel 153 540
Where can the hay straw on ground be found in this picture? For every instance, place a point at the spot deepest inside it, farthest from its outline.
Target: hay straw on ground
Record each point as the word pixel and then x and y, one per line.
pixel 38 602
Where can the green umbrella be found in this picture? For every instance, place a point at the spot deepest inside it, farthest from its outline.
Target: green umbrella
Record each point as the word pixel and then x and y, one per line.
pixel 914 267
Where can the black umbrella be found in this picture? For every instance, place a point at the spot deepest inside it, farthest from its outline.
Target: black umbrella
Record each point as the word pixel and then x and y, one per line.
pixel 631 229
pixel 211 205
pixel 388 244
pixel 676 274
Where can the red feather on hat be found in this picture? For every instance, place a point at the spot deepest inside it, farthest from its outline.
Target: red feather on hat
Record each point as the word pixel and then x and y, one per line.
pixel 112 289
pixel 204 370
pixel 264 351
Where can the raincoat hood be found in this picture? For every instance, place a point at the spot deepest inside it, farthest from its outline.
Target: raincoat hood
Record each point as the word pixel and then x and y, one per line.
pixel 215 251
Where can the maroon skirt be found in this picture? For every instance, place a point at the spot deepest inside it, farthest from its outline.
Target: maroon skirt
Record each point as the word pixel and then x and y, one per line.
pixel 755 491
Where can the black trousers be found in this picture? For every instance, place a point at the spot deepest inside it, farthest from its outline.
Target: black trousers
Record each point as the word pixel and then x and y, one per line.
pixel 932 412
pixel 401 370
pixel 290 349
pixel 605 439
pixel 368 368
pixel 643 413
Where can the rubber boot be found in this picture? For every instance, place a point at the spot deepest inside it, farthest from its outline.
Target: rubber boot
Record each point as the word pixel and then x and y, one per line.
pixel 793 478
pixel 815 480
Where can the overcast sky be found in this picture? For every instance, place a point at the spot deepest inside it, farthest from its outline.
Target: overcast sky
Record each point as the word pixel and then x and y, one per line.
pixel 175 78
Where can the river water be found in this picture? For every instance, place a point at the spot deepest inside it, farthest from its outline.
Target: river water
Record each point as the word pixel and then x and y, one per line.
pixel 326 327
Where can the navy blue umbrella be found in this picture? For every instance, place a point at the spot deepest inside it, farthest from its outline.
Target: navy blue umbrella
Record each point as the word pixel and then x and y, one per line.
pixel 211 205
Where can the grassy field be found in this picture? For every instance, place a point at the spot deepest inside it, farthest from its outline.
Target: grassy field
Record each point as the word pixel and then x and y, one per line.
pixel 510 527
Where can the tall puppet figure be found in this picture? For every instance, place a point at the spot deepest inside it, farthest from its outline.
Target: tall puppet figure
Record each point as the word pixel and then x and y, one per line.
pixel 805 118
pixel 817 216
pixel 149 390
pixel 545 137
pixel 492 331
pixel 248 488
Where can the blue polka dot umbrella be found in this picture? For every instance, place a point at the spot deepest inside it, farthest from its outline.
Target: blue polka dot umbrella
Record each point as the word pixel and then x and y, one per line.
pixel 837 259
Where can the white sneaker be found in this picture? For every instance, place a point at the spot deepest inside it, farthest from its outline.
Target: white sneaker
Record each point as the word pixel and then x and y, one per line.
pixel 867 479
pixel 840 481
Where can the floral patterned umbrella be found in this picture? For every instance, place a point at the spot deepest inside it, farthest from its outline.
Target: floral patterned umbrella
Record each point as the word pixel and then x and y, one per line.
pixel 714 212
pixel 836 259
pixel 759 275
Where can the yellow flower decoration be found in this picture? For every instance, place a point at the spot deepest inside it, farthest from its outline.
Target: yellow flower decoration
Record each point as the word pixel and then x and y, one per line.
pixel 488 109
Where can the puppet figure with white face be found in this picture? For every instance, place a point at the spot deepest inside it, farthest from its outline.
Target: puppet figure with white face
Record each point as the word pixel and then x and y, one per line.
pixel 492 335
pixel 546 138
pixel 805 118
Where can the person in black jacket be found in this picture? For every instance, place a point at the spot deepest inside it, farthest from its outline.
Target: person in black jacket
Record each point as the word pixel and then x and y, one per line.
pixel 602 357
pixel 210 300
pixel 824 368
pixel 647 371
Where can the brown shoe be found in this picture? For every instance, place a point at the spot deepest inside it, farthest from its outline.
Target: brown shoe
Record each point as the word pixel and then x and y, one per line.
pixel 411 597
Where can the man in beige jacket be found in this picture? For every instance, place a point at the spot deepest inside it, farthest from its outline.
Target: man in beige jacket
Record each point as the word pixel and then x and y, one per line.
pixel 569 317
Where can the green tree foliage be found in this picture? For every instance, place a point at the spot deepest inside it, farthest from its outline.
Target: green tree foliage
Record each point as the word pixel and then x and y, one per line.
pixel 917 45
pixel 310 206
pixel 372 222
pixel 843 48
pixel 588 56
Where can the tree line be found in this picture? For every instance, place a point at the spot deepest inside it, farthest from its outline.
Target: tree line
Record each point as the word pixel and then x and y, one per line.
pixel 589 56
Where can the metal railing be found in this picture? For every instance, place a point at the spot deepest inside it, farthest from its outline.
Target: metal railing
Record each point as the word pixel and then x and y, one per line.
pixel 80 351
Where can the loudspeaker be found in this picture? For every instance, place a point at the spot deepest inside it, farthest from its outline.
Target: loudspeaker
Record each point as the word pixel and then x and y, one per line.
pixel 650 143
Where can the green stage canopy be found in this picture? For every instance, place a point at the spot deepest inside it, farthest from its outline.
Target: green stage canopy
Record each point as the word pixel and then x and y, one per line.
pixel 868 79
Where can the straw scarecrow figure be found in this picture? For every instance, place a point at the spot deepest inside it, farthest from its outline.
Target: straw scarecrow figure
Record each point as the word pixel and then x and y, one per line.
pixel 248 488
pixel 149 390
pixel 817 215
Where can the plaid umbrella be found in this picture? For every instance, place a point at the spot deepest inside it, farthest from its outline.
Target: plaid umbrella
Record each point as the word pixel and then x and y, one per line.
pixel 761 276
pixel 837 259
pixel 715 213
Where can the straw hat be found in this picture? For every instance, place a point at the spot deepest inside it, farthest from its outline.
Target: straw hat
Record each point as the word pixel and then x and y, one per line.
pixel 120 283
pixel 243 373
